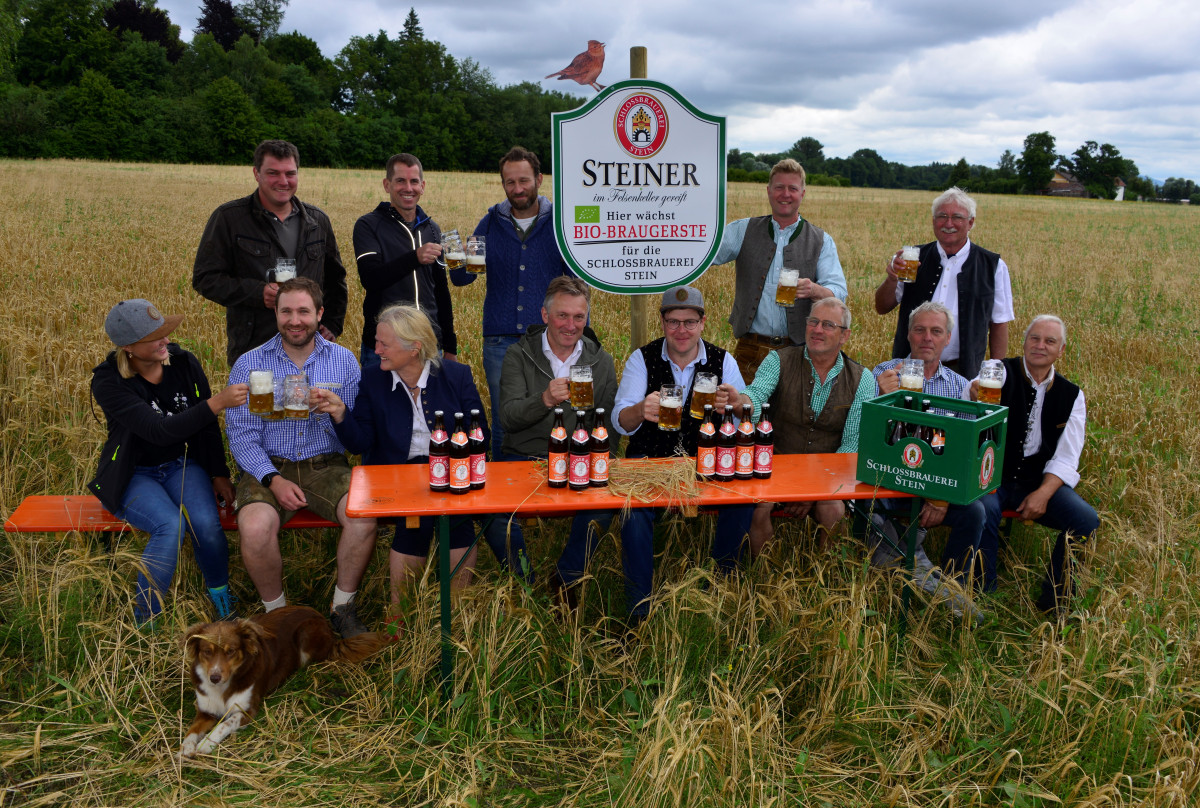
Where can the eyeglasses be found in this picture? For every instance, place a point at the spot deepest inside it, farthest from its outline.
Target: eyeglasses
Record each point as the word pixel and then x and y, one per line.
pixel 957 218
pixel 825 325
pixel 675 325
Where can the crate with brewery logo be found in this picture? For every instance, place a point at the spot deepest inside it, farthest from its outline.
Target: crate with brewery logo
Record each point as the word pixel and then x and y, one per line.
pixel 939 448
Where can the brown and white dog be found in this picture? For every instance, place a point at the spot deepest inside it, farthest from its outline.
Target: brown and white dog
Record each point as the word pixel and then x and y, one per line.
pixel 236 664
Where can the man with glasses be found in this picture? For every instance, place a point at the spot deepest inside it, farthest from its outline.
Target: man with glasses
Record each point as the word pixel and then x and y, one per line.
pixel 816 393
pixel 973 283
pixel 764 245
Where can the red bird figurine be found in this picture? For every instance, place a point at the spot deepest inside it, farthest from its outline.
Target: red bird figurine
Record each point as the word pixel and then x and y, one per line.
pixel 585 68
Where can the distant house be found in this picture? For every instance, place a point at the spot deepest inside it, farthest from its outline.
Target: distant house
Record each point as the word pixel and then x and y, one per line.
pixel 1064 184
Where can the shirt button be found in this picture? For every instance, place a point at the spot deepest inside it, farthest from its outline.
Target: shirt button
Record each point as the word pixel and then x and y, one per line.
pixel 520 326
pixel 520 288
pixel 522 267
pixel 523 246
pixel 520 308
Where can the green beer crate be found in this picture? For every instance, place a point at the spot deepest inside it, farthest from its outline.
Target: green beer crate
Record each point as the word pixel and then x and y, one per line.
pixel 971 462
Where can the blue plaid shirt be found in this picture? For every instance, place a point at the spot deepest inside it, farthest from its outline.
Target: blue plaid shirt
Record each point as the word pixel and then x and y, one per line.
pixel 254 441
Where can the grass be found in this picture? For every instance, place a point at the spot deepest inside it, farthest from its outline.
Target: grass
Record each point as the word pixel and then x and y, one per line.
pixel 786 686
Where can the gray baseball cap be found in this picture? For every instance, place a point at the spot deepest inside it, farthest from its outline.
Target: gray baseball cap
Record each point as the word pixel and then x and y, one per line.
pixel 682 297
pixel 132 321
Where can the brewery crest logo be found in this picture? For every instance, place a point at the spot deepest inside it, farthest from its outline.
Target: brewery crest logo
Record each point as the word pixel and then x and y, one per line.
pixel 988 467
pixel 641 125
pixel 912 456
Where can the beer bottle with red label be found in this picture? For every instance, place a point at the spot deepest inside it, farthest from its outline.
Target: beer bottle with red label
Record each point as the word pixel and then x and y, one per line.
pixel 706 446
pixel 460 458
pixel 726 447
pixel 439 454
pixel 744 453
pixel 579 476
pixel 936 438
pixel 556 454
pixel 599 470
pixel 478 453
pixel 764 445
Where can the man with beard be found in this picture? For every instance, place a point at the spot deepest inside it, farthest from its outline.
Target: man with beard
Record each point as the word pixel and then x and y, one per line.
pixel 522 259
pixel 291 464
pixel 973 283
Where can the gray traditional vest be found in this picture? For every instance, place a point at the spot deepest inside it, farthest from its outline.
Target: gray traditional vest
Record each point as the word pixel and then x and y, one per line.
pixel 758 250
pixel 797 429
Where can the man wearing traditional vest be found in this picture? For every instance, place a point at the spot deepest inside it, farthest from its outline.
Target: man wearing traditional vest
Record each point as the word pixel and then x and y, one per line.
pixel 1046 420
pixel 969 280
pixel 816 394
pixel 674 358
pixel 763 245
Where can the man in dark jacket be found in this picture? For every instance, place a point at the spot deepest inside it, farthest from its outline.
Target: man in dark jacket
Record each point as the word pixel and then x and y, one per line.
pixel 243 241
pixel 397 248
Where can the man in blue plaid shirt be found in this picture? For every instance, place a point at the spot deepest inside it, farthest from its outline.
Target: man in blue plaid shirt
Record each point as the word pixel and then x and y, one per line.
pixel 290 464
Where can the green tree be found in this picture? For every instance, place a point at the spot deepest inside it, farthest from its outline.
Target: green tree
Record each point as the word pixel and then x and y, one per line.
pixel 960 175
pixel 143 18
pixel 1035 166
pixel 262 17
pixel 1099 166
pixel 234 123
pixel 1006 167
pixel 218 17
pixel 61 39
pixel 809 152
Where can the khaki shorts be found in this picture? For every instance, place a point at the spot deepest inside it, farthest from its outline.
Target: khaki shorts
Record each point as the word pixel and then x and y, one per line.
pixel 324 479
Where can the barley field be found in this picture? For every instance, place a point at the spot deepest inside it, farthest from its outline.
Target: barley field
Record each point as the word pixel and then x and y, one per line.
pixel 788 685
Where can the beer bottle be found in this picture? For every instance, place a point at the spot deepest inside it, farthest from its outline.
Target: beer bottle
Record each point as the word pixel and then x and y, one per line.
pixel 706 446
pixel 460 458
pixel 439 454
pixel 936 438
pixel 579 476
pixel 599 466
pixel 744 453
pixel 556 454
pixel 764 445
pixel 478 453
pixel 726 447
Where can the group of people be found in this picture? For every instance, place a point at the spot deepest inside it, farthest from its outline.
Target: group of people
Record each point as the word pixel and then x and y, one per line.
pixel 163 467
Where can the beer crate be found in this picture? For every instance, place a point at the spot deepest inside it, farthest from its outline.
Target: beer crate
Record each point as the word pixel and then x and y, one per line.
pixel 968 466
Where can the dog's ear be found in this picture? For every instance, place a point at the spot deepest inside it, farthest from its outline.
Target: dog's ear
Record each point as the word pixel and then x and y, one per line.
pixel 251 636
pixel 188 641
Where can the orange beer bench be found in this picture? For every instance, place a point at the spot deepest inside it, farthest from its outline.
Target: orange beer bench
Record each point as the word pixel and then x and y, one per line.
pixel 59 514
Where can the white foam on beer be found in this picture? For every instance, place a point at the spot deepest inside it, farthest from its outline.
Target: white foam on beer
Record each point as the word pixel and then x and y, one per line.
pixel 705 386
pixel 671 402
pixel 994 384
pixel 912 382
pixel 261 382
pixel 456 256
pixel 476 260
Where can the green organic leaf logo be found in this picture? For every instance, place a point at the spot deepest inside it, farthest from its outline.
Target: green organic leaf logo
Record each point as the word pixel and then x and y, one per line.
pixel 587 214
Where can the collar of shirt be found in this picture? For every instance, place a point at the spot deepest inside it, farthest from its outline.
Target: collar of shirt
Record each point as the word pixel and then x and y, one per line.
pixel 421 382
pixel 561 367
pixel 955 261
pixel 275 345
pixel 784 235
pixel 683 375
pixel 838 364
pixel 1041 387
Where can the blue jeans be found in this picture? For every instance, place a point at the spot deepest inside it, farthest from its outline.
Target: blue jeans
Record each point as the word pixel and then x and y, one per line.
pixel 966 529
pixel 151 503
pixel 637 549
pixel 494 349
pixel 1066 512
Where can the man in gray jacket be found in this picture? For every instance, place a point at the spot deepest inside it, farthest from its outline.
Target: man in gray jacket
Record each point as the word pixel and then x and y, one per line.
pixel 244 240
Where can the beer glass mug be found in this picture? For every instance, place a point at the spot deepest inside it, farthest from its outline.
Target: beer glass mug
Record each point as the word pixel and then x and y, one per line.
pixel 991 379
pixel 911 256
pixel 579 380
pixel 295 396
pixel 912 375
pixel 785 292
pixel 670 407
pixel 476 255
pixel 452 250
pixel 262 392
pixel 704 391
pixel 285 269
pixel 276 414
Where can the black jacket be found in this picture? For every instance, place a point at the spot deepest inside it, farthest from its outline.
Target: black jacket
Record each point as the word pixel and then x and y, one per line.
pixel 133 424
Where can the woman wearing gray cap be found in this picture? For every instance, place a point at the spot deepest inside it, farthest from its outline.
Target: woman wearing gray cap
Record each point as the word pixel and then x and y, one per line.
pixel 164 459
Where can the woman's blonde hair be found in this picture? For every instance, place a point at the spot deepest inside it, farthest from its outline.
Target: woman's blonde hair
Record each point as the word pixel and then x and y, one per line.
pixel 125 368
pixel 411 326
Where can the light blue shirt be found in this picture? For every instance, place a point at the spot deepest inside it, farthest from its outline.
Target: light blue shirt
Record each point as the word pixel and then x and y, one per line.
pixel 770 319
pixel 633 379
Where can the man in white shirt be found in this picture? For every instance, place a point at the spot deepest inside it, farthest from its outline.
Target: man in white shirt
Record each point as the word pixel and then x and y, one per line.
pixel 1046 421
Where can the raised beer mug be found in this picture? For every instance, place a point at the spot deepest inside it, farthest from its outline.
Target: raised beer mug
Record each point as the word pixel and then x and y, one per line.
pixel 579 380
pixel 452 250
pixel 911 257
pixel 991 380
pixel 262 392
pixel 785 292
pixel 295 396
pixel 670 407
pixel 476 255
pixel 285 269
pixel 912 375
pixel 704 391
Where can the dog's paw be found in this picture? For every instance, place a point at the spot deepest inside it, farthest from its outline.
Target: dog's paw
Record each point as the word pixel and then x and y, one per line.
pixel 189 747
pixel 206 745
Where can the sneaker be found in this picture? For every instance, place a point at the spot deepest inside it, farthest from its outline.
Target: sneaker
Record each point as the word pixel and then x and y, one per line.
pixel 344 620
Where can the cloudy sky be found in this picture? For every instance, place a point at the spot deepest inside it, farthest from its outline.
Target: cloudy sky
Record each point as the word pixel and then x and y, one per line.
pixel 916 80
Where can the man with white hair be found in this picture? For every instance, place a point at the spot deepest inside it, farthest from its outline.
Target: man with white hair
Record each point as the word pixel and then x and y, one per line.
pixel 1046 421
pixel 973 283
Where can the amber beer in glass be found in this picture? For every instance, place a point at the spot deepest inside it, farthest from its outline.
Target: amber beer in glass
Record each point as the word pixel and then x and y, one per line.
pixel 580 384
pixel 991 380
pixel 704 391
pixel 910 257
pixel 262 392
pixel 785 291
pixel 670 407
pixel 912 375
pixel 452 250
pixel 476 255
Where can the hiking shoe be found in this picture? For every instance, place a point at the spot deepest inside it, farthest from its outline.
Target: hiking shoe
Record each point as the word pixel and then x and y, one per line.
pixel 344 620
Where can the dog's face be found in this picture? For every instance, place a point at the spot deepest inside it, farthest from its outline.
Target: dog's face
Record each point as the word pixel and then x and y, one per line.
pixel 215 652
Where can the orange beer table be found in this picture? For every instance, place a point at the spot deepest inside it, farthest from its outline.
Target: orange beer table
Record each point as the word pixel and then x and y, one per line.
pixel 520 488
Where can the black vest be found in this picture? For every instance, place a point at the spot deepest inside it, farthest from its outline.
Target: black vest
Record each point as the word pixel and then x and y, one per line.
pixel 976 298
pixel 649 440
pixel 1019 396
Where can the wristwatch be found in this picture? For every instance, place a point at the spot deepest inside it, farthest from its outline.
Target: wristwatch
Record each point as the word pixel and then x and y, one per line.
pixel 266 480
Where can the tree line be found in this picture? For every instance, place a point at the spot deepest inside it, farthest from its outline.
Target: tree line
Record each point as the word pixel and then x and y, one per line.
pixel 112 80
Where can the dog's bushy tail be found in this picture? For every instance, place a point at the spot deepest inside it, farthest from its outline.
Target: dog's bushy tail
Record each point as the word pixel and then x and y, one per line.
pixel 356 649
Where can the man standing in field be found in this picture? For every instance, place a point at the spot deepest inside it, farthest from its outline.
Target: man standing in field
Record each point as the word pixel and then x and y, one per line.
pixel 816 393
pixel 764 245
pixel 674 358
pixel 396 247
pixel 1046 421
pixel 522 259
pixel 291 464
pixel 245 239
pixel 972 282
